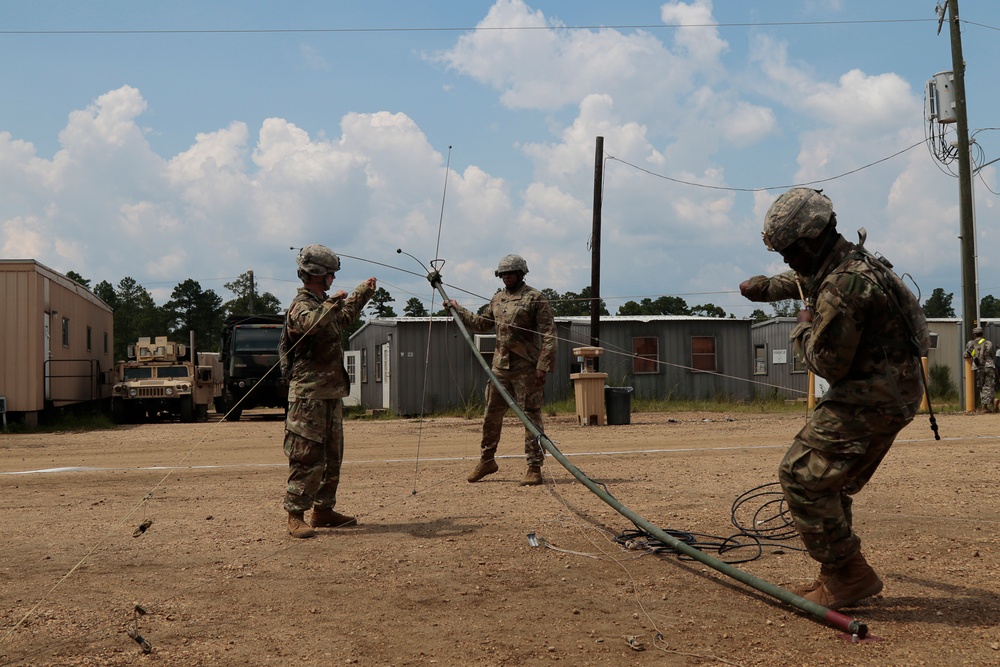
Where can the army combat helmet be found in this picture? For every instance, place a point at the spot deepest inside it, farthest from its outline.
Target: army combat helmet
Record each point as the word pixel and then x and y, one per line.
pixel 316 260
pixel 510 263
pixel 800 213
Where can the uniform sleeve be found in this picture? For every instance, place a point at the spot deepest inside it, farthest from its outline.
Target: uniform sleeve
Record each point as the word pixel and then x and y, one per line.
pixel 479 323
pixel 547 328
pixel 829 343
pixel 351 307
pixel 775 288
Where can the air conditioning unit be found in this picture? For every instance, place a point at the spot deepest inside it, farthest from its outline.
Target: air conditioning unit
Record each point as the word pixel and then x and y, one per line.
pixel 486 343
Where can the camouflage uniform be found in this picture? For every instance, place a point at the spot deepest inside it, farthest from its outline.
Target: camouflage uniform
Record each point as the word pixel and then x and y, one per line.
pixel 314 429
pixel 866 338
pixel 526 343
pixel 982 352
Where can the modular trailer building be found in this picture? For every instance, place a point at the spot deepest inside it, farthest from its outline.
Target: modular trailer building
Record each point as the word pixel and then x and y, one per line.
pixel 56 341
pixel 777 370
pixel 419 365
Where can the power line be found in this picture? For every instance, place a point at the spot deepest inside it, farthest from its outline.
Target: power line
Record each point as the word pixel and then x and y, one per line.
pixel 637 26
pixel 773 187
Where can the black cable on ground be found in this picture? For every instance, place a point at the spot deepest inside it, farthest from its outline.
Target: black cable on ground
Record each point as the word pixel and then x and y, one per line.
pixel 770 524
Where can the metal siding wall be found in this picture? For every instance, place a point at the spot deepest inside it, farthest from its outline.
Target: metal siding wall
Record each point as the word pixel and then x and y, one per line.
pixel 775 334
pixel 951 347
pixel 21 330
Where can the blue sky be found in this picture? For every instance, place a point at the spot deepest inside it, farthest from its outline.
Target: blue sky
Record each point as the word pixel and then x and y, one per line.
pixel 166 141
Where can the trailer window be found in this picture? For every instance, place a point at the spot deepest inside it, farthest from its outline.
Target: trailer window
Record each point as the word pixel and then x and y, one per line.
pixel 703 353
pixel 645 354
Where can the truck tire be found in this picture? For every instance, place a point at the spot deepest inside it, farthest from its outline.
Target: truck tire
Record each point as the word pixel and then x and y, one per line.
pixel 118 411
pixel 234 414
pixel 187 409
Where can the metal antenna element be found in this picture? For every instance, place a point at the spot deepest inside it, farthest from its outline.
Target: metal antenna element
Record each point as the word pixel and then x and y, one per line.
pixel 402 252
pixel 447 169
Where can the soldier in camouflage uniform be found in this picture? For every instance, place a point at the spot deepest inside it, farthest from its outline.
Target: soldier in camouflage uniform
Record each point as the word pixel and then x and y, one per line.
pixel 314 429
pixel 983 355
pixel 864 332
pixel 525 352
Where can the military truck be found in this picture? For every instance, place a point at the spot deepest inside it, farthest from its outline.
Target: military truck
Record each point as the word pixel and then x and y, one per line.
pixel 160 380
pixel 249 353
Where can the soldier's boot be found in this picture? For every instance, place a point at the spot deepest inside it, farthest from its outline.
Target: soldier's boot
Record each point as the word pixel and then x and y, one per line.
pixel 533 477
pixel 297 527
pixel 824 574
pixel 849 582
pixel 327 517
pixel 486 466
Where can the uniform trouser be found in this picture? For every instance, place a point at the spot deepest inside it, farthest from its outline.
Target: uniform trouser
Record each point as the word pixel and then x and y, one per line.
pixel 831 459
pixel 986 379
pixel 314 445
pixel 524 387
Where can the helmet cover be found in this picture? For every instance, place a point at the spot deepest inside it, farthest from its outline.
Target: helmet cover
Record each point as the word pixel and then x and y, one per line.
pixel 510 263
pixel 317 260
pixel 800 213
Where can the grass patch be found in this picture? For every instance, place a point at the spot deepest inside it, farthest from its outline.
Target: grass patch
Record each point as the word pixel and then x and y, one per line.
pixel 67 423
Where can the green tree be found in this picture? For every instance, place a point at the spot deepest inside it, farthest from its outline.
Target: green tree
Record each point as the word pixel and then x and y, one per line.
pixel 192 309
pixel 136 315
pixel 759 315
pixel 708 310
pixel 379 304
pixel 785 308
pixel 247 300
pixel 414 308
pixel 105 291
pixel 939 304
pixel 76 277
pixel 665 305
pixel 586 297
pixel 989 306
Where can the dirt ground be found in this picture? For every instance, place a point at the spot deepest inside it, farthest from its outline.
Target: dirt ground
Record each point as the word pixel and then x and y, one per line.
pixel 441 572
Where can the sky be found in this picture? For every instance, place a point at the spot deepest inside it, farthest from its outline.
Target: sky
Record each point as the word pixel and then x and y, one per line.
pixel 168 141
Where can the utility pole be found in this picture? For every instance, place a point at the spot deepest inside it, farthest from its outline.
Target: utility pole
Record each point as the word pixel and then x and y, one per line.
pixel 595 257
pixel 970 296
pixel 253 305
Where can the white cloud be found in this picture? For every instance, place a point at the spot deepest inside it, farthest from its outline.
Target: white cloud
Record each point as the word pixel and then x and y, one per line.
pixel 684 104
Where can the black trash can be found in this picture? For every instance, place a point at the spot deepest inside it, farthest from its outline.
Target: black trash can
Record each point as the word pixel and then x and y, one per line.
pixel 618 405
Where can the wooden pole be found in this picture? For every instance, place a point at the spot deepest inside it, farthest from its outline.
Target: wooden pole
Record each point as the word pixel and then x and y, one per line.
pixel 595 244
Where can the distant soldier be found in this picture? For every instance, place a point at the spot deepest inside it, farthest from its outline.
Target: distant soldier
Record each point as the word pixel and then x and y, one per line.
pixel 525 352
pixel 983 355
pixel 864 332
pixel 314 426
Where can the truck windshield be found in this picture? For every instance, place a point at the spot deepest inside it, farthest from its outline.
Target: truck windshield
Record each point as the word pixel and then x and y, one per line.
pixel 172 372
pixel 138 373
pixel 257 339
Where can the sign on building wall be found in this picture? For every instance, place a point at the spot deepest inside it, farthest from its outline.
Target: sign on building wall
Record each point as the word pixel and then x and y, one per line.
pixel 779 356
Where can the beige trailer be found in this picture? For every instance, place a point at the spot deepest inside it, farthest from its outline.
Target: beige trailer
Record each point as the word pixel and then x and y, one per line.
pixel 56 341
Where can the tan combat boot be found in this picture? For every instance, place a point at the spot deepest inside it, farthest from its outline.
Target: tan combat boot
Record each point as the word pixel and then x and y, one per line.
pixel 533 477
pixel 847 583
pixel 483 468
pixel 297 526
pixel 824 573
pixel 326 517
